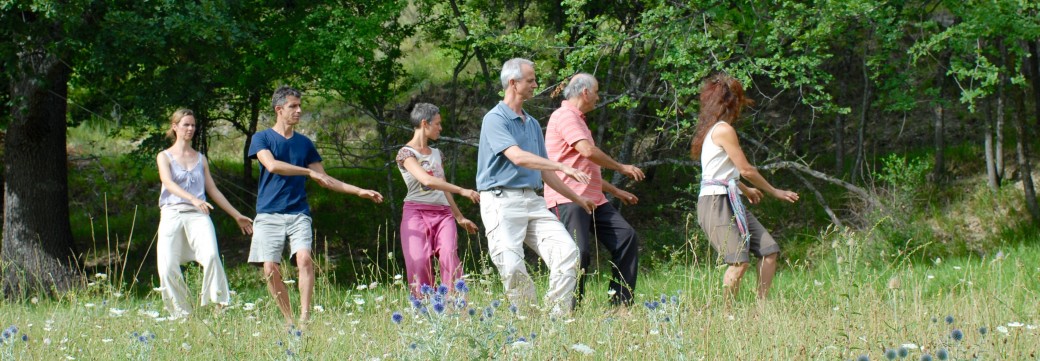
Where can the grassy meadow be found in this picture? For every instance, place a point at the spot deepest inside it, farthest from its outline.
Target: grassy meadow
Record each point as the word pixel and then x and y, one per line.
pixel 842 308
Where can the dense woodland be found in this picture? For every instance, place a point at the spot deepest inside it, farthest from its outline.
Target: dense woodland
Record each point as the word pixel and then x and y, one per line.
pixel 837 84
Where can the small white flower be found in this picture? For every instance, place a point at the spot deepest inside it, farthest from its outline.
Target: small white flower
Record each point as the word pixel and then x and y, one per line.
pixel 389 255
pixel 89 305
pixel 380 299
pixel 152 314
pixel 160 319
pixel 1015 324
pixel 817 283
pixel 373 285
pixel 362 287
pixel 90 284
pixel 957 268
pixel 34 300
pixel 100 276
pixel 159 289
pixel 248 306
pixel 910 346
pixel 583 348
pixel 47 341
pixel 355 322
pixel 232 292
pixel 611 292
pixel 117 294
pixel 938 260
pixel 106 340
pixel 731 318
pixel 319 308
pixel 398 276
pixel 655 332
pixel 116 312
pixel 256 334
pixel 69 357
pixel 836 308
pixel 289 282
pixel 359 301
pixel 931 277
pixel 185 346
pixel 1002 329
pixel 521 344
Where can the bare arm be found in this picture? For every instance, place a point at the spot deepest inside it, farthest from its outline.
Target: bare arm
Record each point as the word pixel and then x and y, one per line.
pixel 625 197
pixel 726 137
pixel 529 160
pixel 281 168
pixel 244 223
pixel 554 182
pixel 167 181
pixel 593 153
pixel 466 224
pixel 336 185
pixel 416 170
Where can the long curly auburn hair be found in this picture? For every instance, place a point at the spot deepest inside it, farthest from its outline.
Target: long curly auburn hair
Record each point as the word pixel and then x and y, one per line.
pixel 722 98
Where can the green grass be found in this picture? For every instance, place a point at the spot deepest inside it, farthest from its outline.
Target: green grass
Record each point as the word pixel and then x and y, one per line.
pixel 838 309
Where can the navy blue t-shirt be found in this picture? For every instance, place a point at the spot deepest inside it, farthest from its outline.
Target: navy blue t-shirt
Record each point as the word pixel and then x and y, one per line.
pixel 279 193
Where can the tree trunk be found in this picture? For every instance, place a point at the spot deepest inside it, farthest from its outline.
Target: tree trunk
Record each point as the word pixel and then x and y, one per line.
pixel 1035 72
pixel 254 119
pixel 839 145
pixel 939 112
pixel 991 164
pixel 998 148
pixel 38 251
pixel 857 167
pixel 1022 150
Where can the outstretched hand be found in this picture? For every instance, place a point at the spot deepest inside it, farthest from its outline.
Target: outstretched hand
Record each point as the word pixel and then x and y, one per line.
pixel 627 198
pixel 468 225
pixel 371 195
pixel 577 175
pixel 633 172
pixel 753 195
pixel 786 195
pixel 245 224
pixel 471 194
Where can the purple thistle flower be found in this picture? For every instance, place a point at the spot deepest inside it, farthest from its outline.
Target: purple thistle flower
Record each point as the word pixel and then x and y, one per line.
pixel 675 299
pixel 509 339
pixel 522 339
pixel 288 352
pixel 488 312
pixel 926 357
pixel 460 304
pixel 413 346
pixel 957 334
pixel 472 311
pixel 512 308
pixel 134 335
pixel 7 334
pixel 299 333
pixel 142 338
pixel 496 303
pixel 438 307
pixel 25 337
pixel 426 289
pixel 424 310
pixel 863 358
pixel 460 286
pixel 397 318
pixel 890 354
pixel 903 352
pixel 442 289
pixel 949 319
pixel 942 354
pixel 664 299
pixel 533 335
pixel 416 304
pixel 983 330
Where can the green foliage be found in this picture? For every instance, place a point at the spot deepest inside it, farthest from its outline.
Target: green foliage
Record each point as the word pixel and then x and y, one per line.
pixel 905 177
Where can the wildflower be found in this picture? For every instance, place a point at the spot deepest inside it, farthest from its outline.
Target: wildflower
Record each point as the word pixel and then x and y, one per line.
pixel 583 348
pixel 651 305
pixel 359 301
pixel 142 338
pixel 100 276
pixel 416 303
pixel 533 335
pixel 413 346
pixel 398 277
pixel 957 335
pixel 442 289
pixel 611 293
pixel 890 354
pixel 934 320
pixel 460 304
pixel 1015 324
pixel 25 338
pixel 664 299
pixel 6 334
pixel 1002 329
pixel 472 311
pixel 438 307
pixel 509 339
pixel 949 319
pixel 488 312
pixel 397 318
pixel 926 357
pixel 299 333
pixel 942 354
pixel 522 339
pixel 288 352
pixel 496 303
pixel 863 358
pixel 423 310
pixel 460 286
pixel 982 330
pixel 289 282
pixel 34 300
pixel 903 352
pixel 319 308
pixel 373 285
pixel 134 335
pixel 426 289
pixel 675 299
pixel 512 308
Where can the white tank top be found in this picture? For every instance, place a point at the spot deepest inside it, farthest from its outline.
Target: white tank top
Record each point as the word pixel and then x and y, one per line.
pixel 715 164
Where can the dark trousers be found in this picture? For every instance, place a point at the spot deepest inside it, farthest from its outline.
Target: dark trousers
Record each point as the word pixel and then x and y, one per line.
pixel 614 232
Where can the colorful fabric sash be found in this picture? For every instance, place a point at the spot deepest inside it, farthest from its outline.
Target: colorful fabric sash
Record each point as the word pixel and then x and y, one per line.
pixel 739 213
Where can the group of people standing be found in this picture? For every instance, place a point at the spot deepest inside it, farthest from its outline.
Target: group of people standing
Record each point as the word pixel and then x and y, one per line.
pixel 514 161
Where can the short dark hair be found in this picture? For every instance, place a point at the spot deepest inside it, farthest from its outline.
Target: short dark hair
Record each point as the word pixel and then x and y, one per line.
pixel 278 98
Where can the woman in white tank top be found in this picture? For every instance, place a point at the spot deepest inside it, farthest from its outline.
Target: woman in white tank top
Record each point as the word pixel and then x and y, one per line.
pixel 186 232
pixel 733 231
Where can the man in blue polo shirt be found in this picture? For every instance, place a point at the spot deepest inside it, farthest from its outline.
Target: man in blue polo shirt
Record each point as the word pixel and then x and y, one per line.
pixel 287 159
pixel 511 166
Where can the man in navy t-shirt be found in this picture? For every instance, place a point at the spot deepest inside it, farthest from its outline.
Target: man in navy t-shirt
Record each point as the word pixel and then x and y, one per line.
pixel 287 159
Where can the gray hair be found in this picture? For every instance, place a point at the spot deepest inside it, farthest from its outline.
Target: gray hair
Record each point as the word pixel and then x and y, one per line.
pixel 423 111
pixel 511 70
pixel 579 82
pixel 278 98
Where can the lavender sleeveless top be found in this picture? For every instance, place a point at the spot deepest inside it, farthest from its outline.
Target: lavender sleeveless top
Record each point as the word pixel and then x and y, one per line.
pixel 192 180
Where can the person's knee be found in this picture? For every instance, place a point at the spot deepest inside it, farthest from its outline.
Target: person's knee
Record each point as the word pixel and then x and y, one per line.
pixel 304 261
pixel 271 270
pixel 770 258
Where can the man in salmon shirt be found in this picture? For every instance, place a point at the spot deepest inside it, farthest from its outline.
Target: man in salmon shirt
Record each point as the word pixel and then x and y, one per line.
pixel 568 140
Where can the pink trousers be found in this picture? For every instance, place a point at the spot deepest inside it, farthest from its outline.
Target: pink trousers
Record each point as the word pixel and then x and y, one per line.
pixel 427 231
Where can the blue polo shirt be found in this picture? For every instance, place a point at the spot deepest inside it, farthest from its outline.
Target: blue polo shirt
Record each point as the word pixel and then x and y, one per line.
pixel 278 193
pixel 501 129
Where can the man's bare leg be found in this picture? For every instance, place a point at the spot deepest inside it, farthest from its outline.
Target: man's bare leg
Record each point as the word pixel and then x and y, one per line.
pixel 278 290
pixel 306 266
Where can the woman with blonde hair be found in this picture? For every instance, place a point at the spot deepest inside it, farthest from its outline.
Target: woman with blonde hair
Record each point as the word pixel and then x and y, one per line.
pixel 186 232
pixel 732 230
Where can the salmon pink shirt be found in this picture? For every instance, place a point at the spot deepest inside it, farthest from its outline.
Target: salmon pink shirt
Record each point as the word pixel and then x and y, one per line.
pixel 566 127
